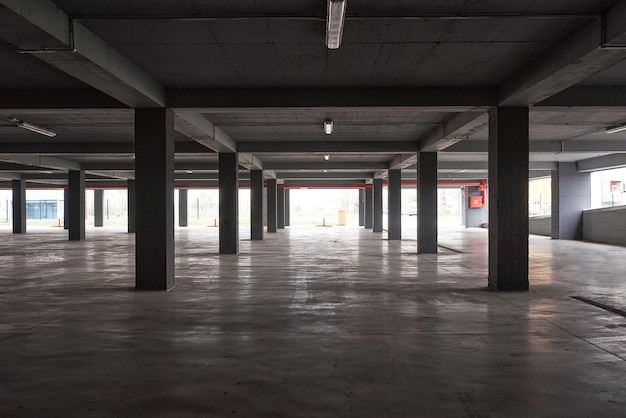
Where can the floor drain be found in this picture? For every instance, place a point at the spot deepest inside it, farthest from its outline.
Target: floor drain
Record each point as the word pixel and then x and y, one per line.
pixel 601 305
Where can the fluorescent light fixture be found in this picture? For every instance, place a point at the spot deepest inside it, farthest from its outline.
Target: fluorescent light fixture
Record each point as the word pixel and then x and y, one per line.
pixel 188 171
pixel 615 129
pixel 334 23
pixel 33 128
pixel 328 127
pixel 326 157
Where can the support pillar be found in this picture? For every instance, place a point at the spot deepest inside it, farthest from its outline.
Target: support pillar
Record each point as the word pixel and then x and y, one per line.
pixel 154 177
pixel 256 205
pixel 427 202
pixel 508 198
pixel 394 205
pixel 131 205
pixel 377 208
pixel 280 208
pixel 66 208
pixel 76 185
pixel 98 207
pixel 571 194
pixel 271 206
pixel 368 206
pixel 229 203
pixel 287 207
pixel 361 207
pixel 19 206
pixel 183 205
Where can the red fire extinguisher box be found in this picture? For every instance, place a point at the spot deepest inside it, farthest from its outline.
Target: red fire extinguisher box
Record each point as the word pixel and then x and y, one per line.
pixel 476 202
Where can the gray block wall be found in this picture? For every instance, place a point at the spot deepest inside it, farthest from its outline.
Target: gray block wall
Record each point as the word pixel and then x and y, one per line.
pixel 540 225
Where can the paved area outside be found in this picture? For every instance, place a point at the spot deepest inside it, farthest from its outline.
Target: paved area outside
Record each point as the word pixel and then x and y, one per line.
pixel 311 322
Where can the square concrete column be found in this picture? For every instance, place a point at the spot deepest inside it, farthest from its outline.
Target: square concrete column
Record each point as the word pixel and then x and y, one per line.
pixel 19 206
pixel 377 206
pixel 256 204
pixel 394 205
pixel 76 185
pixel 508 198
pixel 571 194
pixel 130 208
pixel 183 205
pixel 280 207
pixel 287 207
pixel 361 207
pixel 98 207
pixel 369 204
pixel 154 194
pixel 271 206
pixel 66 208
pixel 427 202
pixel 229 202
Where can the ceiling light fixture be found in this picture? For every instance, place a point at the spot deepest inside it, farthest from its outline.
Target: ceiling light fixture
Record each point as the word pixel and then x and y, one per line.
pixel 33 128
pixel 334 23
pixel 327 157
pixel 615 129
pixel 328 127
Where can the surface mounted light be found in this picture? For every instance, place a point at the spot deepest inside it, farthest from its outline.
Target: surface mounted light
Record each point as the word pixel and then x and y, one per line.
pixel 33 128
pixel 334 23
pixel 328 127
pixel 615 129
pixel 326 157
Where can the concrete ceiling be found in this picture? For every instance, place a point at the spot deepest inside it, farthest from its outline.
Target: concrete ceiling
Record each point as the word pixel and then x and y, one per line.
pixel 255 76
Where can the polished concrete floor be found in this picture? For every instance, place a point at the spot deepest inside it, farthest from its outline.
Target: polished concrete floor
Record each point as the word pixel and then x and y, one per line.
pixel 311 322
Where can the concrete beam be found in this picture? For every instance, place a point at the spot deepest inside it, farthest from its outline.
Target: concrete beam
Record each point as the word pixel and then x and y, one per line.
pixel 100 148
pixel 19 100
pixel 585 96
pixel 573 59
pixel 456 128
pixel 577 145
pixel 325 147
pixel 203 131
pixel 79 51
pixel 320 175
pixel 606 162
pixel 326 165
pixel 43 162
pixel 249 161
pixel 484 165
pixel 453 99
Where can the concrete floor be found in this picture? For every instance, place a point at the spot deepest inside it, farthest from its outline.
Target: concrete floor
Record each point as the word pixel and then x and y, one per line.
pixel 308 323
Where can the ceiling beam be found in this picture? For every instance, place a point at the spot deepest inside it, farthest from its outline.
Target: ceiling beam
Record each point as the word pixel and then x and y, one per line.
pixel 456 128
pixel 249 161
pixel 325 165
pixel 80 53
pixel 296 175
pixel 100 148
pixel 605 162
pixel 19 100
pixel 585 96
pixel 130 166
pixel 576 145
pixel 200 129
pixel 574 58
pixel 453 99
pixel 483 165
pixel 327 147
pixel 41 161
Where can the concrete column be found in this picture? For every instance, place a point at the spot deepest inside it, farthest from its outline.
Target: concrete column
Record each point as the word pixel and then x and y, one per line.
pixel 131 205
pixel 474 217
pixel 183 207
pixel 368 207
pixel 76 185
pixel 256 205
pixel 508 198
pixel 427 202
pixel 271 206
pixel 229 203
pixel 19 206
pixel 287 207
pixel 361 207
pixel 98 207
pixel 571 194
pixel 154 179
pixel 394 205
pixel 280 208
pixel 377 206
pixel 66 208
